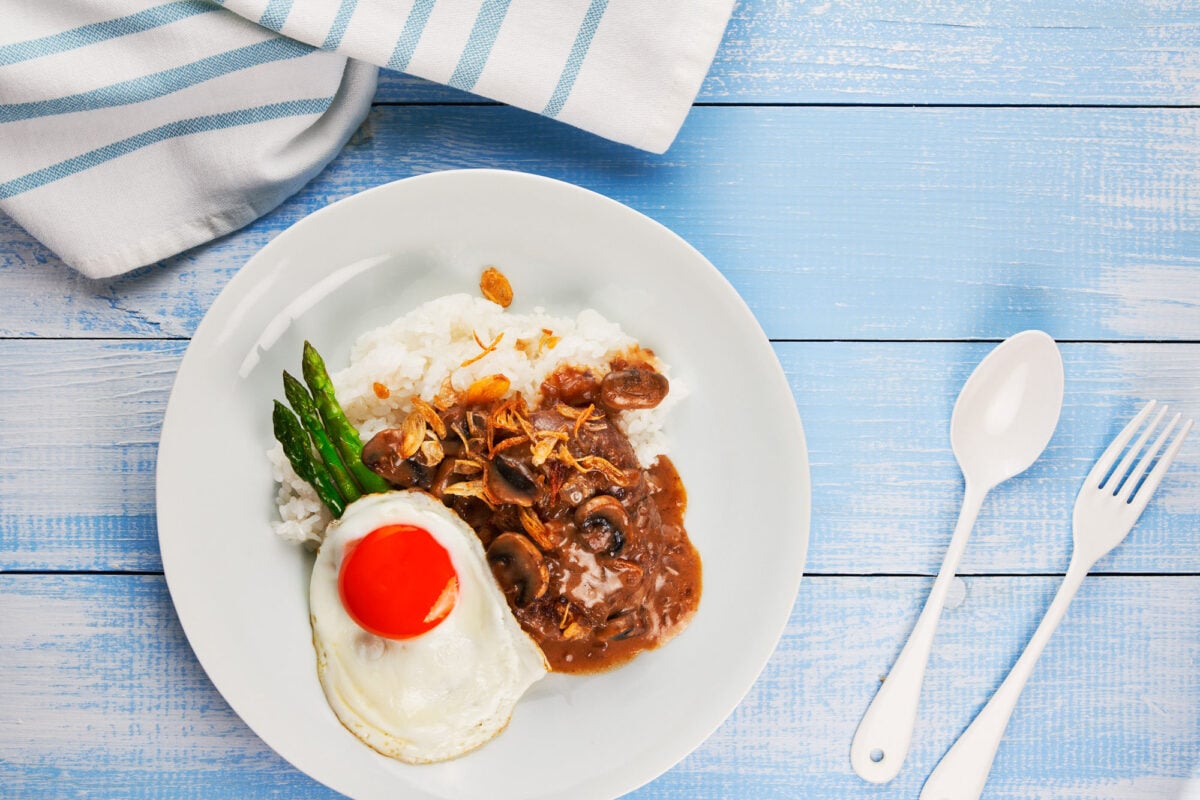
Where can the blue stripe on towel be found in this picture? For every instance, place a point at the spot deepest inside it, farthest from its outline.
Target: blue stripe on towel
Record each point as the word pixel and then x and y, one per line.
pixel 162 83
pixel 183 127
pixel 275 14
pixel 479 44
pixel 341 21
pixel 99 31
pixel 414 26
pixel 583 41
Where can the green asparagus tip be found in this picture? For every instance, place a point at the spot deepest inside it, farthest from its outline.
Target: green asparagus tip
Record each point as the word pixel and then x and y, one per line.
pixel 291 384
pixel 312 366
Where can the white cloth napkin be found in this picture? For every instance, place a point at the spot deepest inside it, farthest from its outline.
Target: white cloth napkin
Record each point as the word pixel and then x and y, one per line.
pixel 131 130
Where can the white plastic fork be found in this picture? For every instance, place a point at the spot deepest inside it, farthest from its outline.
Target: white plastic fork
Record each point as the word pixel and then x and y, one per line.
pixel 1105 512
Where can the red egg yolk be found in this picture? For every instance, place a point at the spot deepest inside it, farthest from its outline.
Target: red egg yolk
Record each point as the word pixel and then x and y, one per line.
pixel 397 581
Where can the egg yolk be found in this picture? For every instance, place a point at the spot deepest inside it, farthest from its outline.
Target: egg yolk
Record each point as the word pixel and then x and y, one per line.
pixel 397 581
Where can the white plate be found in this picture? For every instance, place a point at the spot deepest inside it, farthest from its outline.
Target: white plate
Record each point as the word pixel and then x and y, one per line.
pixel 242 595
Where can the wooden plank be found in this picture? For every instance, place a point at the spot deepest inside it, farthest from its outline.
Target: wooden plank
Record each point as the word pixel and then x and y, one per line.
pixel 887 490
pixel 79 429
pixel 884 224
pixel 79 425
pixel 1058 52
pixel 1097 720
pixel 102 695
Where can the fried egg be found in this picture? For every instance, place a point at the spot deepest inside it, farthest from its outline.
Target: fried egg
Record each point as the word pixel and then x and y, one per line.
pixel 417 651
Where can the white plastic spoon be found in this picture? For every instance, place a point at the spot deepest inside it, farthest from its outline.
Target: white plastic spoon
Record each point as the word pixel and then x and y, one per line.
pixel 1003 420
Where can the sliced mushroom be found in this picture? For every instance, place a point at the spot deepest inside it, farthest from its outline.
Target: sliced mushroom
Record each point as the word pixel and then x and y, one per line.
pixel 446 475
pixel 383 456
pixel 519 568
pixel 623 624
pixel 509 480
pixel 636 387
pixel 603 524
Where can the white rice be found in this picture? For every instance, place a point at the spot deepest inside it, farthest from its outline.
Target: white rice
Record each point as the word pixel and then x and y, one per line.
pixel 420 351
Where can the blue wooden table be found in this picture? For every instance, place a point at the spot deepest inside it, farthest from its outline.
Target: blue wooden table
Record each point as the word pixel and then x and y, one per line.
pixel 892 187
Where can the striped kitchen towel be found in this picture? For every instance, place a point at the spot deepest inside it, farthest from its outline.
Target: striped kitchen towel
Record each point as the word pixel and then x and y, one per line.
pixel 131 130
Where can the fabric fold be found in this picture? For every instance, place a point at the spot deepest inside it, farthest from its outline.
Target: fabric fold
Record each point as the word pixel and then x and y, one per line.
pixel 131 130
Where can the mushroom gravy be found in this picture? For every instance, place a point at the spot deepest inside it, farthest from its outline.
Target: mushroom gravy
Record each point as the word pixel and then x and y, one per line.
pixel 625 603
pixel 588 546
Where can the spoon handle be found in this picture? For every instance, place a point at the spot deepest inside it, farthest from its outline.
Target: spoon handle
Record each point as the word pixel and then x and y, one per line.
pixel 963 771
pixel 881 742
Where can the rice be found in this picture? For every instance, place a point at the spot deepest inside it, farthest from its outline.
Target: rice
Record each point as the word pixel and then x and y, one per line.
pixel 422 350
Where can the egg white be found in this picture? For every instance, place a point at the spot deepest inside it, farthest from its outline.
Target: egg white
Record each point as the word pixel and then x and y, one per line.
pixel 437 695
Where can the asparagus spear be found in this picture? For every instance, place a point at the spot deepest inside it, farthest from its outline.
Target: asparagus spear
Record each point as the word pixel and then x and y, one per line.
pixel 337 426
pixel 295 446
pixel 302 404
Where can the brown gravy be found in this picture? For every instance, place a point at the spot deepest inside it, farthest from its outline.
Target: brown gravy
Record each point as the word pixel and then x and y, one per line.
pixel 589 548
pixel 621 609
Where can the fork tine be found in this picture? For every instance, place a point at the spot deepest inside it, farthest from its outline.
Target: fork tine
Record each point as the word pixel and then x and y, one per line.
pixel 1113 482
pixel 1136 475
pixel 1160 469
pixel 1110 455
